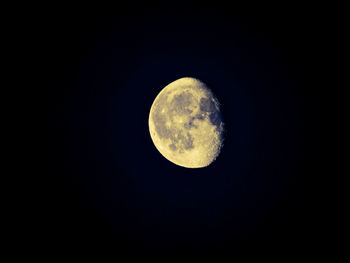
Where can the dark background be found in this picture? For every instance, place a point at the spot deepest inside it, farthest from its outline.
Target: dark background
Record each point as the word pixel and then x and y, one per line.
pixel 107 186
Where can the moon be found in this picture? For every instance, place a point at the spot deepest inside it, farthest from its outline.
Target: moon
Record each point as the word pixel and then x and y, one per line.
pixel 185 123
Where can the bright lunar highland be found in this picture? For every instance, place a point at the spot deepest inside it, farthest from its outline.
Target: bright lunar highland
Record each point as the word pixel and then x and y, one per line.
pixel 185 123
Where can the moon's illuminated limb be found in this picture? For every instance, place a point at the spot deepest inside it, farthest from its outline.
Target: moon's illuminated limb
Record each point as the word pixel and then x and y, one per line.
pixel 185 123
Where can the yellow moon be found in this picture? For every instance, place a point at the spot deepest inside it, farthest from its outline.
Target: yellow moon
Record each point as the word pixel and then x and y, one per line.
pixel 185 123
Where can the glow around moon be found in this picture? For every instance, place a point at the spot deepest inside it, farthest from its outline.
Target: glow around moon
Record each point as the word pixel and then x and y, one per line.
pixel 185 123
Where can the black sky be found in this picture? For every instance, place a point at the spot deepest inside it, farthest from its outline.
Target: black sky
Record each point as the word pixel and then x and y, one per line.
pixel 108 186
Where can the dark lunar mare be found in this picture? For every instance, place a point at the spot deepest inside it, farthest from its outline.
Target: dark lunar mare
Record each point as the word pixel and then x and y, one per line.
pixel 180 103
pixel 208 106
pixel 215 118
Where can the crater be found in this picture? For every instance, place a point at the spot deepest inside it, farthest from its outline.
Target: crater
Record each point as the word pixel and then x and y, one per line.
pixel 172 147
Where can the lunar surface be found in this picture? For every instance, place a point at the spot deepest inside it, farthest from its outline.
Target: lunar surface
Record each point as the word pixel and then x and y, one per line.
pixel 185 123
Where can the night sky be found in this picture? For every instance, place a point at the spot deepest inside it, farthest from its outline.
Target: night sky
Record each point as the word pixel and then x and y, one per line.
pixel 109 189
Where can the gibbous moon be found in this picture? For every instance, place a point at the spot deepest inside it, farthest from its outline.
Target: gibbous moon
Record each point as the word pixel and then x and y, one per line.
pixel 185 123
